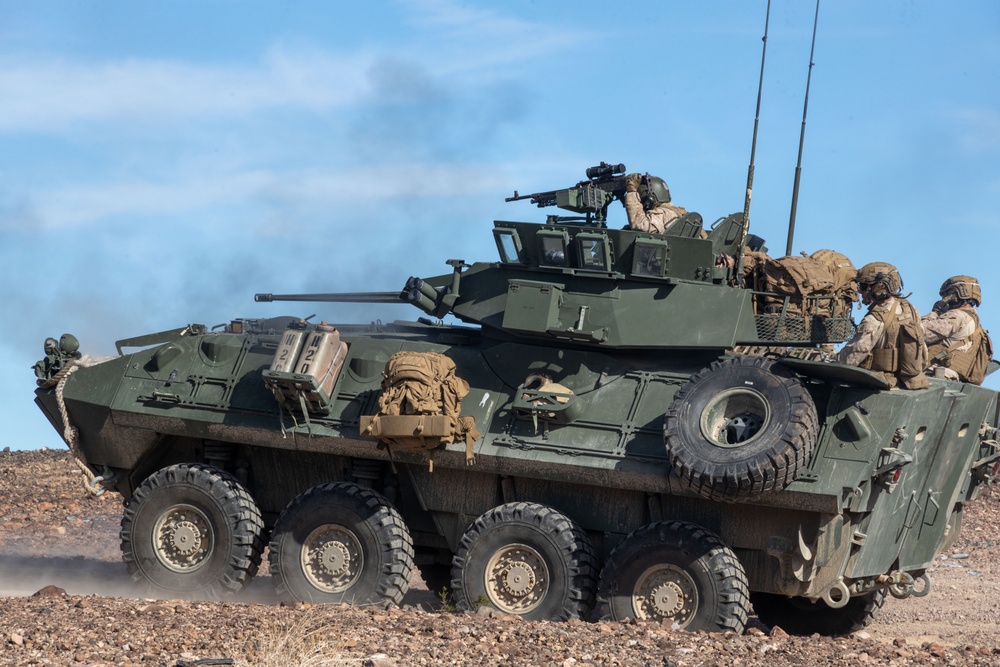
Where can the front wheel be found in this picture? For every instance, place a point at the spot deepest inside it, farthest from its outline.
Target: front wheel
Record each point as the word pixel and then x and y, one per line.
pixel 528 560
pixel 192 530
pixel 341 542
pixel 679 573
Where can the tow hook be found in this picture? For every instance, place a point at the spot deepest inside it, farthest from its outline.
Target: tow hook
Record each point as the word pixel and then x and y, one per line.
pixel 97 484
pixel 902 585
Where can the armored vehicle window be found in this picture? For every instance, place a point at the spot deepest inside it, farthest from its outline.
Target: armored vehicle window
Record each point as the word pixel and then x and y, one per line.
pixel 552 246
pixel 509 246
pixel 650 257
pixel 594 251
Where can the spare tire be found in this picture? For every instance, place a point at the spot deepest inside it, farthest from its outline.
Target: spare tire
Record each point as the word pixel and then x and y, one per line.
pixel 739 427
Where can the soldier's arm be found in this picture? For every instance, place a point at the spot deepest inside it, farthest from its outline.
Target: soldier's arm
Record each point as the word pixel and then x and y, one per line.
pixel 949 325
pixel 638 219
pixel 856 350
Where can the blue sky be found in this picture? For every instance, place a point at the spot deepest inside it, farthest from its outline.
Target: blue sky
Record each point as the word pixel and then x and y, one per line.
pixel 161 162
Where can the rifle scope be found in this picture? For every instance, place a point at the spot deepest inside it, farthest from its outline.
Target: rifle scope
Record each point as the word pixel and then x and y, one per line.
pixel 605 169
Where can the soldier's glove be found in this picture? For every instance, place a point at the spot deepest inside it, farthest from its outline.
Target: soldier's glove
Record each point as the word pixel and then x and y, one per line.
pixel 632 182
pixel 940 307
pixel 827 353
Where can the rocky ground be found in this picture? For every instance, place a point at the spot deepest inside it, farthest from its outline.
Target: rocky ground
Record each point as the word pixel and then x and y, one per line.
pixel 67 601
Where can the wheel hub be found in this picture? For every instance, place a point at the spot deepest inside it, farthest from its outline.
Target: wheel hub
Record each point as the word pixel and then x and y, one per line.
pixel 734 417
pixel 665 592
pixel 183 538
pixel 332 558
pixel 741 428
pixel 517 579
pixel 667 599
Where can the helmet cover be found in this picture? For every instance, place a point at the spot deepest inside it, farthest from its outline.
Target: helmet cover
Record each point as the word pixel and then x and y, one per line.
pixel 965 288
pixel 653 190
pixel 882 278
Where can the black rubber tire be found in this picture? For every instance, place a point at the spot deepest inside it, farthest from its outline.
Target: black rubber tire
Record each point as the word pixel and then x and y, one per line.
pixel 677 573
pixel 539 563
pixel 357 547
pixel 800 616
pixel 191 530
pixel 703 436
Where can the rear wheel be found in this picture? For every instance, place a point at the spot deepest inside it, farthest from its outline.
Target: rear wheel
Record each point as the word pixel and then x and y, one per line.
pixel 741 426
pixel 192 530
pixel 679 573
pixel 341 542
pixel 800 616
pixel 526 559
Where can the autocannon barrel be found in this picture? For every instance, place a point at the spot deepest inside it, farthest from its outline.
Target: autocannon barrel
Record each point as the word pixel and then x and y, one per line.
pixel 336 297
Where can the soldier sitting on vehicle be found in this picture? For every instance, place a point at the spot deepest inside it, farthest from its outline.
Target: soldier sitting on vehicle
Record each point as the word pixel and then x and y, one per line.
pixel 57 355
pixel 647 204
pixel 890 339
pixel 959 347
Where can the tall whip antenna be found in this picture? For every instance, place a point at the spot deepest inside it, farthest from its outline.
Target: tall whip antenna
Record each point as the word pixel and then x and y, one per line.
pixel 753 150
pixel 802 138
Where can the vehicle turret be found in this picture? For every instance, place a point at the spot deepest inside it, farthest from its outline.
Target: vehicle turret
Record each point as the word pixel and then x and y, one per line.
pixel 575 280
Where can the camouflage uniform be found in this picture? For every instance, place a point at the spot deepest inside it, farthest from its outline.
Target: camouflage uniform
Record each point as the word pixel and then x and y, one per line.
pixel 954 330
pixel 959 347
pixel 872 334
pixel 656 220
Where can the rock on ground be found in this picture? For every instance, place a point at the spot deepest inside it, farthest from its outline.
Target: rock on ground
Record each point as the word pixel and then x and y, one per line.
pixel 68 602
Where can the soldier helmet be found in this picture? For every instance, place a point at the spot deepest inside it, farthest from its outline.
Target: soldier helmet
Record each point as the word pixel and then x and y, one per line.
pixel 51 345
pixel 68 344
pixel 965 288
pixel 882 278
pixel 653 190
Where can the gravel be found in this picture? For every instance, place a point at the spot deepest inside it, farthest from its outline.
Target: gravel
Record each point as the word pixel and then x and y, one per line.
pixel 68 601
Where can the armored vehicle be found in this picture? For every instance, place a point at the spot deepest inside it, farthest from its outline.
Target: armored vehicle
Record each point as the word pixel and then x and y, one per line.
pixel 611 423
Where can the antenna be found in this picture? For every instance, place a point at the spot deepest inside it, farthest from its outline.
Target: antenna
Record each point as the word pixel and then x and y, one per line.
pixel 802 138
pixel 753 149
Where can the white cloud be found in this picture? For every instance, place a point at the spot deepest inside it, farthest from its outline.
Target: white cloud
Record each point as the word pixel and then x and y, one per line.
pixel 498 38
pixel 57 94
pixel 187 193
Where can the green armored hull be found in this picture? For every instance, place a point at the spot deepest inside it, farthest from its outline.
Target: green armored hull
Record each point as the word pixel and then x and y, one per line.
pixel 642 436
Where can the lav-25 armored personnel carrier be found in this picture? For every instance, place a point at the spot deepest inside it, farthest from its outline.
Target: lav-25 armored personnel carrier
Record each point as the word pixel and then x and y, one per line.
pixel 632 427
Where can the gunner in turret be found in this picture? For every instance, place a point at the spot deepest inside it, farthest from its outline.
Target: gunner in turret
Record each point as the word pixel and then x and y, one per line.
pixel 647 204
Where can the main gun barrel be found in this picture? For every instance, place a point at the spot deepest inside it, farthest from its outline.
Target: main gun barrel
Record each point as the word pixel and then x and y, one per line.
pixel 335 297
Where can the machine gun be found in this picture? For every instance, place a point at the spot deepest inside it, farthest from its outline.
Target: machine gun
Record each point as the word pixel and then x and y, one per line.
pixel 605 183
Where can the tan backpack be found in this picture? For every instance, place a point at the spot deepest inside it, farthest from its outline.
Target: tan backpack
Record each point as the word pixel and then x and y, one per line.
pixel 845 279
pixel 796 277
pixel 421 404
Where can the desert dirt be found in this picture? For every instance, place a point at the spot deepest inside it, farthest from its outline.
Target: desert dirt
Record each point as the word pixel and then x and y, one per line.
pixel 67 600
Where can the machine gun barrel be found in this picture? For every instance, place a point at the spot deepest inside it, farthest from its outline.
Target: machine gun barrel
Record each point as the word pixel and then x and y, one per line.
pixel 605 182
pixel 335 297
pixel 541 199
